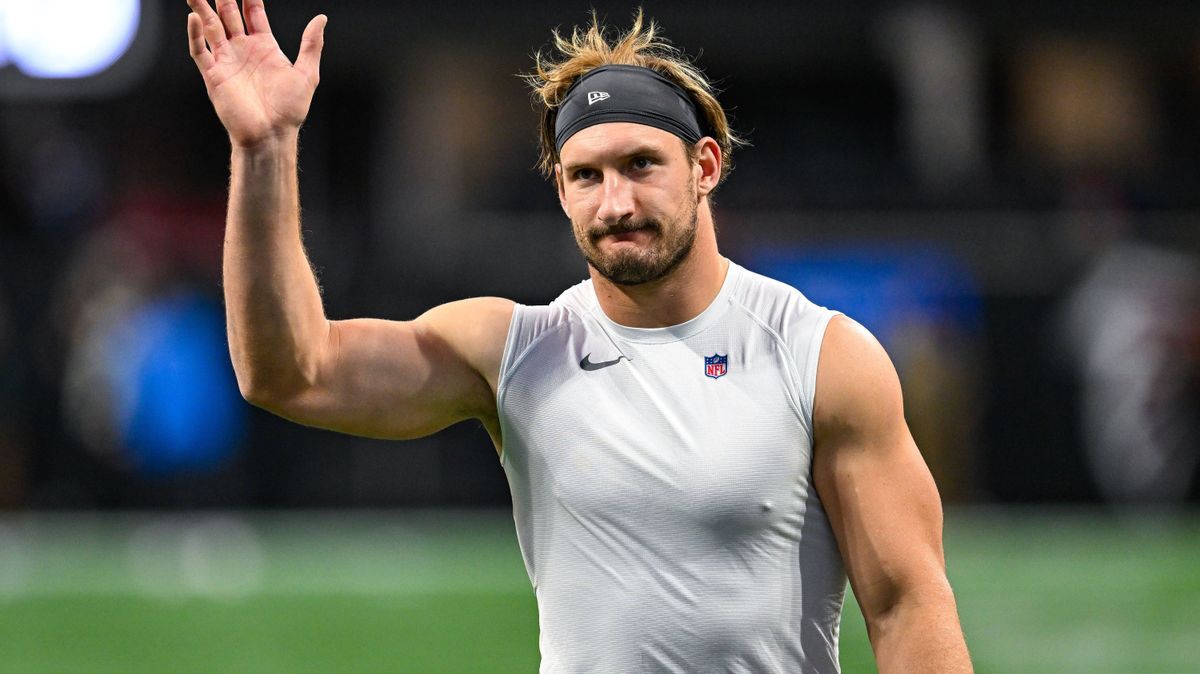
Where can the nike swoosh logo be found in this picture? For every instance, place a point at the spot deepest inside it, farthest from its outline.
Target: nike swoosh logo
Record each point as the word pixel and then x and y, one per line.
pixel 588 365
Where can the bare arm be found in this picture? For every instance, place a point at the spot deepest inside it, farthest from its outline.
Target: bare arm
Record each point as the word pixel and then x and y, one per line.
pixel 369 377
pixel 883 506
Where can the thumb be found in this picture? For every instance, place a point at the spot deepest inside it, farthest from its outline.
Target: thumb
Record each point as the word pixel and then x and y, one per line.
pixel 311 43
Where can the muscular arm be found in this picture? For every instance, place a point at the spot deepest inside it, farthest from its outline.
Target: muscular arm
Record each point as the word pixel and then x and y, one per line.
pixel 368 377
pixel 883 506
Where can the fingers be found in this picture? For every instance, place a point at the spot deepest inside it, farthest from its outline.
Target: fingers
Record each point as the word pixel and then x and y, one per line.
pixel 231 17
pixel 213 31
pixel 256 17
pixel 199 51
pixel 309 60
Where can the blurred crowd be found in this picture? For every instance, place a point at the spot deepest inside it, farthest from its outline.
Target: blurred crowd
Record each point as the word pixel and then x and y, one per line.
pixel 1008 198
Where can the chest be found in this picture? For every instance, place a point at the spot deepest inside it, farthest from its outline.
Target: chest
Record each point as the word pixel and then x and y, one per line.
pixel 705 431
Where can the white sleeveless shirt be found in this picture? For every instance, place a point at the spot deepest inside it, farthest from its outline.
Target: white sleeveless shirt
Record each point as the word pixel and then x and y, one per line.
pixel 663 500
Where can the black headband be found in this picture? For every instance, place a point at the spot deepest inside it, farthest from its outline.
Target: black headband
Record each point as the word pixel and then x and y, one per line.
pixel 618 93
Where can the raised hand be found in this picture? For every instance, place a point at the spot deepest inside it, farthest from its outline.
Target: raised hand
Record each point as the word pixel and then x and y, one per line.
pixel 257 92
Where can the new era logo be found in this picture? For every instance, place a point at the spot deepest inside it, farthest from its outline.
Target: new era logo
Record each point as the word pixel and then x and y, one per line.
pixel 596 96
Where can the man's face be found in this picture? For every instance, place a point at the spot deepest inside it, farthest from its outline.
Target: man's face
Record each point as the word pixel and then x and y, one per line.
pixel 630 192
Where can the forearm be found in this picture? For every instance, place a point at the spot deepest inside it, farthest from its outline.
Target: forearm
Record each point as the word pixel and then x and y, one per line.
pixel 275 319
pixel 921 634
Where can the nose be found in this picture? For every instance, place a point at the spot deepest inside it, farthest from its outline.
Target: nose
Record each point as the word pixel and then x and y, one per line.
pixel 616 199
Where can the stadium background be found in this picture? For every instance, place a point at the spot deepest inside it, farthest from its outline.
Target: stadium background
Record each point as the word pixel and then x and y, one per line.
pixel 1006 193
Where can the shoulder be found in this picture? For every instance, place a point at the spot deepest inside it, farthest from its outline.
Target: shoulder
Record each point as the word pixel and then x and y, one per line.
pixel 778 306
pixel 795 321
pixel 579 298
pixel 531 324
pixel 482 319
pixel 857 388
pixel 474 328
pixel 529 321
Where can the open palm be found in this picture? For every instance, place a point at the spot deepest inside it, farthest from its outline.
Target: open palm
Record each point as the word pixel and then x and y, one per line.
pixel 257 92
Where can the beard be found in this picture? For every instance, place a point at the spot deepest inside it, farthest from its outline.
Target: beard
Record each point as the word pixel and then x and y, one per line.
pixel 630 266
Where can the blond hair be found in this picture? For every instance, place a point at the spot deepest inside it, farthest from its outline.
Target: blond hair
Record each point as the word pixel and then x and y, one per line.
pixel 587 50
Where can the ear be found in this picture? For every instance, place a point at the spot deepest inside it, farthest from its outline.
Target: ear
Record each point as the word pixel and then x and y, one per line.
pixel 708 165
pixel 562 192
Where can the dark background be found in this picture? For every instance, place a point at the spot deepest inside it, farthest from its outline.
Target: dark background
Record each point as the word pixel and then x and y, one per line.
pixel 1001 153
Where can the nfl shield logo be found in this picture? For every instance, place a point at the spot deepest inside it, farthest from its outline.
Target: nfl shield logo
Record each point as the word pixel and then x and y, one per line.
pixel 716 366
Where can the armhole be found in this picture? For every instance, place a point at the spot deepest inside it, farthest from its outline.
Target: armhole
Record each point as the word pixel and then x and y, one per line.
pixel 528 327
pixel 506 365
pixel 511 351
pixel 808 376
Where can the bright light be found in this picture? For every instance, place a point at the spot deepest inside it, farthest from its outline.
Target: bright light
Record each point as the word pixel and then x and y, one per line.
pixel 3 33
pixel 66 38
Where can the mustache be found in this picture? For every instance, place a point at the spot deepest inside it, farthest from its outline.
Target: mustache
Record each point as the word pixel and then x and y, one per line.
pixel 624 227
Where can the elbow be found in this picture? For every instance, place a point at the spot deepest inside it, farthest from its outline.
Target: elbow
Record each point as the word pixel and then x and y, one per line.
pixel 891 604
pixel 275 379
pixel 879 607
pixel 253 391
pixel 273 392
pixel 256 392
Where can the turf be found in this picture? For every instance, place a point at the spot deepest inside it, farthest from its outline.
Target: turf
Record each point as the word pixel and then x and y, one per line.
pixel 443 592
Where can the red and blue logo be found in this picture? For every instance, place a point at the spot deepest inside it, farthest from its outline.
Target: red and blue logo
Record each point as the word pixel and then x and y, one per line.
pixel 716 366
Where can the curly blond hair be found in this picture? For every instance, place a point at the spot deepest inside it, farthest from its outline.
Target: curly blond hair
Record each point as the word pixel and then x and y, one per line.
pixel 586 50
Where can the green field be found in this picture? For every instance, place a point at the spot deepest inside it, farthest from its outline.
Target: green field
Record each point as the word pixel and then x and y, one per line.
pixel 445 592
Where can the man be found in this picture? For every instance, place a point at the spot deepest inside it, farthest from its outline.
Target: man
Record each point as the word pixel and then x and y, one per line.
pixel 698 455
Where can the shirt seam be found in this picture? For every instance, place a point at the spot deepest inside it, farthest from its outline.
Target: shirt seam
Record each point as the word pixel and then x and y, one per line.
pixel 796 402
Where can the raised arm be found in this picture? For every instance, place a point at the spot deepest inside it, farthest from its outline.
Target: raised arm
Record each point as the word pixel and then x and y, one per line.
pixel 883 506
pixel 368 377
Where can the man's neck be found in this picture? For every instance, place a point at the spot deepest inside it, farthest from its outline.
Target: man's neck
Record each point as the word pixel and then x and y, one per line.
pixel 676 298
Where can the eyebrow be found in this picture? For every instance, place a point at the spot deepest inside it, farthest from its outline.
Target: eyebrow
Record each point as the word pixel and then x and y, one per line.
pixel 640 150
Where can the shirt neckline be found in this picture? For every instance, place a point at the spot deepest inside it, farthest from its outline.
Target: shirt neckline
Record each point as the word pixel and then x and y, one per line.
pixel 680 331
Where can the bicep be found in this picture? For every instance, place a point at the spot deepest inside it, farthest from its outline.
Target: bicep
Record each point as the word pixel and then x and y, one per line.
pixel 407 379
pixel 878 492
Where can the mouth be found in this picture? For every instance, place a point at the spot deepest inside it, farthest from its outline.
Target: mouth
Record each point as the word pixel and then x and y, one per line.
pixel 631 232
